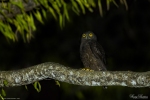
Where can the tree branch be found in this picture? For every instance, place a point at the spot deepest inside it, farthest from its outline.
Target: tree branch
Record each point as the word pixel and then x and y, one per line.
pixel 28 5
pixel 73 76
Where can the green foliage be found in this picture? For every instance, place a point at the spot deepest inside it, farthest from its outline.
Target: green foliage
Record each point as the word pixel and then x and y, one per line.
pixel 26 87
pixel 5 82
pixel 37 86
pixel 80 95
pixel 59 9
pixel 57 83
pixel 3 92
pixel 1 97
pixel 18 4
pixel 38 16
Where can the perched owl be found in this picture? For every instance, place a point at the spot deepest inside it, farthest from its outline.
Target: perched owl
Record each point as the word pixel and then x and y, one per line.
pixel 92 53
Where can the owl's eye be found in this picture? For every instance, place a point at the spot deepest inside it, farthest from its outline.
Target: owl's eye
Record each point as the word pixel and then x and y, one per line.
pixel 90 35
pixel 83 35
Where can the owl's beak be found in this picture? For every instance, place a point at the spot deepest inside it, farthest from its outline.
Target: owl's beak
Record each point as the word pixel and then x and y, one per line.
pixel 86 37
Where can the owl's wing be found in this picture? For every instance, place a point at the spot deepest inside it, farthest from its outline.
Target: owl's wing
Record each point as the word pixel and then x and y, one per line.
pixel 98 51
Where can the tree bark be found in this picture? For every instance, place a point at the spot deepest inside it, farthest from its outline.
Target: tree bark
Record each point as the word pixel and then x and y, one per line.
pixel 73 76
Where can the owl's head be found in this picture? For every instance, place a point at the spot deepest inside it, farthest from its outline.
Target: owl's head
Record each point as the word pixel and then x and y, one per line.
pixel 88 36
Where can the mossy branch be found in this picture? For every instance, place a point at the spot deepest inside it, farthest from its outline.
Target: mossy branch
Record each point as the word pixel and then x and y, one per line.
pixel 73 76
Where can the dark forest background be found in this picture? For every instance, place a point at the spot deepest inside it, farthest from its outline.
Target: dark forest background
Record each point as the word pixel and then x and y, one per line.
pixel 124 35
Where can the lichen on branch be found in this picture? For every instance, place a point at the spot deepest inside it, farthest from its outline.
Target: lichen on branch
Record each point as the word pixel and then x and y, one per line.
pixel 73 76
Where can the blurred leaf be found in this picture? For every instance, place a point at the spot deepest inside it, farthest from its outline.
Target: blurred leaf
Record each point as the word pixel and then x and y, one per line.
pixel 75 7
pixel 10 33
pixel 75 11
pixel 7 31
pixel 57 83
pixel 90 9
pixel 29 36
pixel 22 23
pixel 52 12
pixel 115 3
pixel 26 87
pixel 126 5
pixel 80 95
pixel 66 11
pixel 108 4
pixel 92 3
pixel 38 16
pixel 9 20
pixel 61 21
pixel 55 6
pixel 9 7
pixel 2 13
pixel 37 86
pixel 121 1
pixel 19 4
pixel 58 3
pixel 5 82
pixel 1 97
pixel 81 5
pixel 100 7
pixel 44 3
pixel 3 92
pixel 36 1
pixel 44 13
pixel 87 5
pixel 20 28
pixel 32 22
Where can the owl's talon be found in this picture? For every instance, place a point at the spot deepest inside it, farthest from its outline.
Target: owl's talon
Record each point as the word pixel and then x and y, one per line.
pixel 87 69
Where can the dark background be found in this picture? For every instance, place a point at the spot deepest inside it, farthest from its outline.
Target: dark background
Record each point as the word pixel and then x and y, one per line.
pixel 124 35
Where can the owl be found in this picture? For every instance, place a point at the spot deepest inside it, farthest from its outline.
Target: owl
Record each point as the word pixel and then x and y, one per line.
pixel 92 53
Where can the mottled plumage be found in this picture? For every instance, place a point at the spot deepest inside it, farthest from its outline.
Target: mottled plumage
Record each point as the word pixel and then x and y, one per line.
pixel 92 53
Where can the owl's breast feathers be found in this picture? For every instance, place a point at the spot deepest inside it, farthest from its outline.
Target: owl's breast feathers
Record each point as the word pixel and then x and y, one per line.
pixel 92 55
